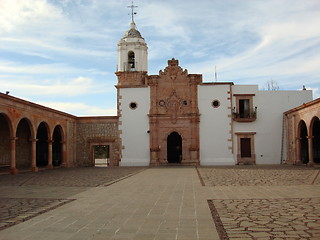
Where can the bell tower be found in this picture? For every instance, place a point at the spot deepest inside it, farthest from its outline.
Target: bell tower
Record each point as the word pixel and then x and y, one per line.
pixel 132 52
pixel 132 57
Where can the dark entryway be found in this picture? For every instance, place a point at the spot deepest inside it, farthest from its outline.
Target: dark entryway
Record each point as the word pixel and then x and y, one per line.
pixel 42 145
pixel 245 147
pixel 23 144
pixel 174 148
pixel 57 146
pixel 304 142
pixel 4 140
pixel 316 140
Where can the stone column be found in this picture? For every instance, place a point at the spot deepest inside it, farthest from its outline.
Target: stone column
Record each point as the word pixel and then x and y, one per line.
pixel 34 167
pixel 64 154
pixel 310 149
pixel 13 169
pixel 297 148
pixel 50 166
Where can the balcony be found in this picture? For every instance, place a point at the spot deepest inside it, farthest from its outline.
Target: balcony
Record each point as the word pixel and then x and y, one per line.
pixel 245 115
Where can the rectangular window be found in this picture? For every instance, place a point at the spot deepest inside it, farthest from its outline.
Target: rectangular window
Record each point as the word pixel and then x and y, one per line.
pixel 244 108
pixel 245 144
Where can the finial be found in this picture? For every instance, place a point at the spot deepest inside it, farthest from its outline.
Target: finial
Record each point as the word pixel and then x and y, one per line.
pixel 132 12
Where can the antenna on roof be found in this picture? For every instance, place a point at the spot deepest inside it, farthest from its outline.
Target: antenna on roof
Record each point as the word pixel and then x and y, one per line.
pixel 215 73
pixel 132 12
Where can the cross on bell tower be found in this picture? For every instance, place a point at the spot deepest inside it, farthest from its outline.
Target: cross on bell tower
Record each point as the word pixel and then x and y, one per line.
pixel 132 49
pixel 132 6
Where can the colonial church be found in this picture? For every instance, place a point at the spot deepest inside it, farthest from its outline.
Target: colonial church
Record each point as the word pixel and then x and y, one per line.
pixel 169 118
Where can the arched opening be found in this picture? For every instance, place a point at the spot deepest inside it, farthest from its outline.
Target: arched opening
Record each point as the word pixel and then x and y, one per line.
pixel 42 145
pixel 4 140
pixel 131 60
pixel 315 128
pixel 303 134
pixel 23 144
pixel 57 146
pixel 174 148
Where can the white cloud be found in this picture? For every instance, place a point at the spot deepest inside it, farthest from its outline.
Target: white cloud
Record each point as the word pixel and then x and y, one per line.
pixel 75 87
pixel 80 109
pixel 15 15
pixel 315 92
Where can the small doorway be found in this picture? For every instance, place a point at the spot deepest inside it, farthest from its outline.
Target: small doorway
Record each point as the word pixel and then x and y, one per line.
pixel 101 155
pixel 174 148
pixel 245 147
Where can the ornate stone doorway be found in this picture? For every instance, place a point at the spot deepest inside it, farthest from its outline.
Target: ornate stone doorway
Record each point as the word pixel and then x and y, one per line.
pixel 174 148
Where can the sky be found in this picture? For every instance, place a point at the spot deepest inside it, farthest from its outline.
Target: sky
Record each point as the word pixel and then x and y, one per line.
pixel 63 53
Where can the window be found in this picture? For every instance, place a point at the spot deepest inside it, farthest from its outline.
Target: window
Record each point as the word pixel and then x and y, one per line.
pixel 133 105
pixel 244 110
pixel 215 103
pixel 131 60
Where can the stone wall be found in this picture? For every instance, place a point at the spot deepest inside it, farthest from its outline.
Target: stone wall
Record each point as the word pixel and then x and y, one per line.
pixel 307 114
pixel 91 131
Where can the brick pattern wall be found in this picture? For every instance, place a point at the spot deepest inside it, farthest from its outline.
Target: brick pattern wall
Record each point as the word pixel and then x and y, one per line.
pixel 93 132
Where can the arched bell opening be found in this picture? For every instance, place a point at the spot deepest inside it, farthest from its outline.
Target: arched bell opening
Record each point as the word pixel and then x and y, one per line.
pixel 131 61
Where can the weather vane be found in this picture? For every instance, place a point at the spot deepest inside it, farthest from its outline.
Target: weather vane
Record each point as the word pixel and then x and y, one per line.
pixel 132 12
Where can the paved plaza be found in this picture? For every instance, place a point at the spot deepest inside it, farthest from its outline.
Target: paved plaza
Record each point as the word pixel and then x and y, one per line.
pixel 236 202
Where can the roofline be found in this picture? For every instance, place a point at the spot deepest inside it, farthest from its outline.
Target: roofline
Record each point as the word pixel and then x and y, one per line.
pixel 97 117
pixel 19 100
pixel 308 104
pixel 217 83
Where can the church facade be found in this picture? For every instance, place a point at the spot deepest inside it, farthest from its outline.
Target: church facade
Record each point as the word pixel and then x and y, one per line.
pixel 174 117
pixel 170 118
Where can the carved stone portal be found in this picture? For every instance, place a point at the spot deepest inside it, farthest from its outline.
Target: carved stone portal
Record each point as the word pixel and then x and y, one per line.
pixel 174 108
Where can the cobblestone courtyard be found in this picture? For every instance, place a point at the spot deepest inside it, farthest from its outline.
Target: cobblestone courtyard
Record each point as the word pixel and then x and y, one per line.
pixel 238 202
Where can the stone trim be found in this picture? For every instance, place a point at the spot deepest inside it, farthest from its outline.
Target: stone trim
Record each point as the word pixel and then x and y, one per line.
pixel 246 160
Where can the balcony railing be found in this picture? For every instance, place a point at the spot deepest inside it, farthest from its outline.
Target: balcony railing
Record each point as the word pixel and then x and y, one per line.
pixel 249 115
pixel 130 66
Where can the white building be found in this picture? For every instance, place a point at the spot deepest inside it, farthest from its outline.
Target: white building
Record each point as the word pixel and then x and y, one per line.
pixel 174 117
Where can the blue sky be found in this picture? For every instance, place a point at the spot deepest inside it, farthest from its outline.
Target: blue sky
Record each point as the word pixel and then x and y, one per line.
pixel 63 53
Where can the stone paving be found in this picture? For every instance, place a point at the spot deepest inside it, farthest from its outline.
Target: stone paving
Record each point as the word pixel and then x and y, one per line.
pixel 69 177
pixel 17 210
pixel 239 202
pixel 295 218
pixel 25 205
pixel 258 175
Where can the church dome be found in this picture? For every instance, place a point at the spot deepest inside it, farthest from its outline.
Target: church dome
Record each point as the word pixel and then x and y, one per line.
pixel 133 32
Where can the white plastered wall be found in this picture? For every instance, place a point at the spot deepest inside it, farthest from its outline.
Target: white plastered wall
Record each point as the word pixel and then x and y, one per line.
pixel 269 123
pixel 134 125
pixel 215 125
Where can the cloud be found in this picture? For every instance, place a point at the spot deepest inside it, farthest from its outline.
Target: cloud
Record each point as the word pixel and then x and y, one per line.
pixel 15 15
pixel 315 92
pixel 80 109
pixel 75 87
